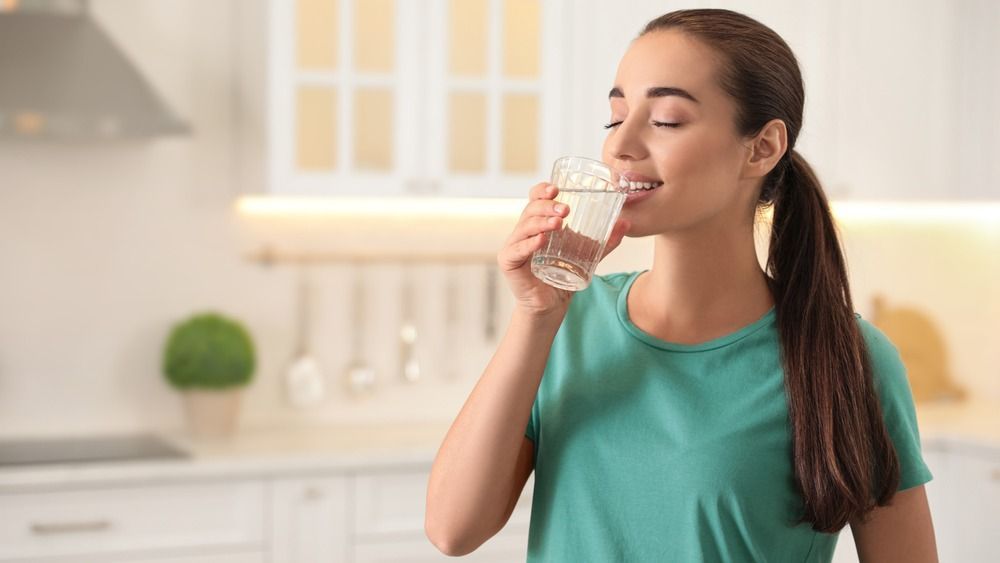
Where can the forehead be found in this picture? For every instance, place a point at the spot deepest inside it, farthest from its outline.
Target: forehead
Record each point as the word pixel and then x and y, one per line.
pixel 668 58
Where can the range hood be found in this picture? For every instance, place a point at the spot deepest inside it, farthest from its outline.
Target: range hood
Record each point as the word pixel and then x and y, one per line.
pixel 63 78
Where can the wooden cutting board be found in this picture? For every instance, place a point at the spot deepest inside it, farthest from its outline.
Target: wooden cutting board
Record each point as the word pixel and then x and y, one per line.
pixel 921 347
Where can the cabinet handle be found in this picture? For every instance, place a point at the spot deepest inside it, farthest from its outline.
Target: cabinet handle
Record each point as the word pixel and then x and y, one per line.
pixel 995 475
pixel 70 527
pixel 313 493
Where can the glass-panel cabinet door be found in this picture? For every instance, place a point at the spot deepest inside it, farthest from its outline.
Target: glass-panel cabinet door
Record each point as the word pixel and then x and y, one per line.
pixel 494 86
pixel 341 120
pixel 414 97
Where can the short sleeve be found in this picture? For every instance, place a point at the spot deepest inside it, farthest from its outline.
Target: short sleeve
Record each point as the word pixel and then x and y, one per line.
pixel 898 410
pixel 532 431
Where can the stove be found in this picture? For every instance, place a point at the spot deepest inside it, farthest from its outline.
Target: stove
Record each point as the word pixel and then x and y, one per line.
pixel 87 449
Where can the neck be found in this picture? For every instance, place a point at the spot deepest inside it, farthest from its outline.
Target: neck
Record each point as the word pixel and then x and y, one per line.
pixel 701 286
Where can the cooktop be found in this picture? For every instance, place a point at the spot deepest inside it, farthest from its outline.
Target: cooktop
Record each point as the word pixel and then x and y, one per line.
pixel 86 449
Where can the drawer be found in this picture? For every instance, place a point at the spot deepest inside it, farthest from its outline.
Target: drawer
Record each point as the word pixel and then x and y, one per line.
pixel 107 521
pixel 503 548
pixel 393 503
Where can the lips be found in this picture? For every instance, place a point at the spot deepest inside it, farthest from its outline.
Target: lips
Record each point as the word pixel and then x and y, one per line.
pixel 637 186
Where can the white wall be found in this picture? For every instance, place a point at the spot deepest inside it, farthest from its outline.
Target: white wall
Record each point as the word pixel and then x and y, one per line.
pixel 104 247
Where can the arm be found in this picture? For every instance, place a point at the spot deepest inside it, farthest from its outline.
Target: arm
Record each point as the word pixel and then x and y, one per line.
pixel 485 458
pixel 900 532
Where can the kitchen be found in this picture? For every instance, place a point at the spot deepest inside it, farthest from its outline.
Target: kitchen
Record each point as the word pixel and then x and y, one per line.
pixel 118 237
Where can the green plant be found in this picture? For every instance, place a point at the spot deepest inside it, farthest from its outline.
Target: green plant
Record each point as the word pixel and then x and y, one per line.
pixel 210 351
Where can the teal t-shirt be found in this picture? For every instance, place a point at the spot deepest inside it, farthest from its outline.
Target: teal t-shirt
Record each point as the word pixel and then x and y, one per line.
pixel 650 451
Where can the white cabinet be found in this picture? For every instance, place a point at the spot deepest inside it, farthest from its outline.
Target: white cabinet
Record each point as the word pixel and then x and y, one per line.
pixel 143 523
pixel 975 491
pixel 310 520
pixel 505 547
pixel 902 97
pixel 389 522
pixel 394 97
pixel 896 108
pixel 373 516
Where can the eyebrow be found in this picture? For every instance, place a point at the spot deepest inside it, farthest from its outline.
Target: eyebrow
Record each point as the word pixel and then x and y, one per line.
pixel 657 92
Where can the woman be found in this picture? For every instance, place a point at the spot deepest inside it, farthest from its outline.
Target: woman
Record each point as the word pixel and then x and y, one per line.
pixel 702 410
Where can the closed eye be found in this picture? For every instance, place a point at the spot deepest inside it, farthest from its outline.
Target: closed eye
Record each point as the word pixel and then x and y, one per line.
pixel 614 124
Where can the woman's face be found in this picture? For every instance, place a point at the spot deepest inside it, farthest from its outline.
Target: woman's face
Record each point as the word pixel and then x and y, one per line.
pixel 659 134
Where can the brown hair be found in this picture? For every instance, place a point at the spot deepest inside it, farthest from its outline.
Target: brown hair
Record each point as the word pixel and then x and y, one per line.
pixel 844 461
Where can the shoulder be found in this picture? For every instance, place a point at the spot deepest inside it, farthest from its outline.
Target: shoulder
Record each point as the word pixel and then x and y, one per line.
pixel 888 370
pixel 883 353
pixel 604 291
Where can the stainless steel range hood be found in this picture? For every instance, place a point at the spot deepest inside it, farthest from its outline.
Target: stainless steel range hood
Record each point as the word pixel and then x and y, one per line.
pixel 63 78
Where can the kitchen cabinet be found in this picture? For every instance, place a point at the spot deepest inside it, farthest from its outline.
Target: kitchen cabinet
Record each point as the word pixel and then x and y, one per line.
pixel 416 97
pixel 974 485
pixel 902 103
pixel 902 99
pixel 143 522
pixel 389 522
pixel 310 520
pixel 361 516
pixel 374 516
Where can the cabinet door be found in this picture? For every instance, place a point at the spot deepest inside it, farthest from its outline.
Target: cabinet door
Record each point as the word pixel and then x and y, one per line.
pixel 389 521
pixel 496 74
pixel 195 516
pixel 505 547
pixel 978 91
pixel 977 478
pixel 343 104
pixel 896 90
pixel 429 97
pixel 310 520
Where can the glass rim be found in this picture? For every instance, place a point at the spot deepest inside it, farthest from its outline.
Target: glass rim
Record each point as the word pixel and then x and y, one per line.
pixel 594 167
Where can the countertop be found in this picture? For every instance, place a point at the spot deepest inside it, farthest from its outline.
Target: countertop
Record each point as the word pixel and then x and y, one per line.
pixel 252 453
pixel 300 451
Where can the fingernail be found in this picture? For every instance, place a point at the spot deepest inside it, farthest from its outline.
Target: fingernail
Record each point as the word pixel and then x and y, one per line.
pixel 559 208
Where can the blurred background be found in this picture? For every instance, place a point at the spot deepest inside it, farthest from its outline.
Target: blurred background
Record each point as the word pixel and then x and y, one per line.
pixel 318 188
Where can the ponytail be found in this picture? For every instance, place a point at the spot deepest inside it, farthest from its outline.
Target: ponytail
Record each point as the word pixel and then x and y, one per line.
pixel 844 461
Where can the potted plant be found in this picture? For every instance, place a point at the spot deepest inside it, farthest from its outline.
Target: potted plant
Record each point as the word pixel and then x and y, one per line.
pixel 210 358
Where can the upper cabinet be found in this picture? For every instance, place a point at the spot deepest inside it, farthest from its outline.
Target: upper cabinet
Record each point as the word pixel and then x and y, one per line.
pixel 478 97
pixel 408 97
pixel 902 97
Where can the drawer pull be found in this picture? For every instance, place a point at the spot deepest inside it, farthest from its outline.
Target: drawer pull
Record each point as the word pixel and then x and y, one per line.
pixel 313 493
pixel 995 475
pixel 70 527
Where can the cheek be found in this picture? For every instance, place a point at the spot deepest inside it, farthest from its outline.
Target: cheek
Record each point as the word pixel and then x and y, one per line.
pixel 697 158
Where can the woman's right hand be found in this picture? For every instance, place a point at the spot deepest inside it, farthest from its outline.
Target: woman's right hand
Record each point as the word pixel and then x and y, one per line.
pixel 541 216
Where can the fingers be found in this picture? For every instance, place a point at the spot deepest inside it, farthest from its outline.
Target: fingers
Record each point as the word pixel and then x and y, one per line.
pixel 542 190
pixel 540 216
pixel 515 254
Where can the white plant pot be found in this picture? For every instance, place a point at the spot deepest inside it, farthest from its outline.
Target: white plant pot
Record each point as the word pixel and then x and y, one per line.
pixel 213 413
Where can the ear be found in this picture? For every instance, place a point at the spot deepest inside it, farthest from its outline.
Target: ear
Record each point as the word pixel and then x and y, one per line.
pixel 766 149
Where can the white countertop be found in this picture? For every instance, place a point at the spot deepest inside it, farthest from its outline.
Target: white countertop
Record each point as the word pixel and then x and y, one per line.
pixel 262 453
pixel 252 453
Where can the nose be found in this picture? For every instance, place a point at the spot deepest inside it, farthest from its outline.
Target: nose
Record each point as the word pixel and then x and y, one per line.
pixel 625 142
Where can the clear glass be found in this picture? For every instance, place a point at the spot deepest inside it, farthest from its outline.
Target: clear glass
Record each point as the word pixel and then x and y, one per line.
pixel 568 259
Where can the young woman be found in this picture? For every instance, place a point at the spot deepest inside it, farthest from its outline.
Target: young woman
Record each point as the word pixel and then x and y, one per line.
pixel 704 409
